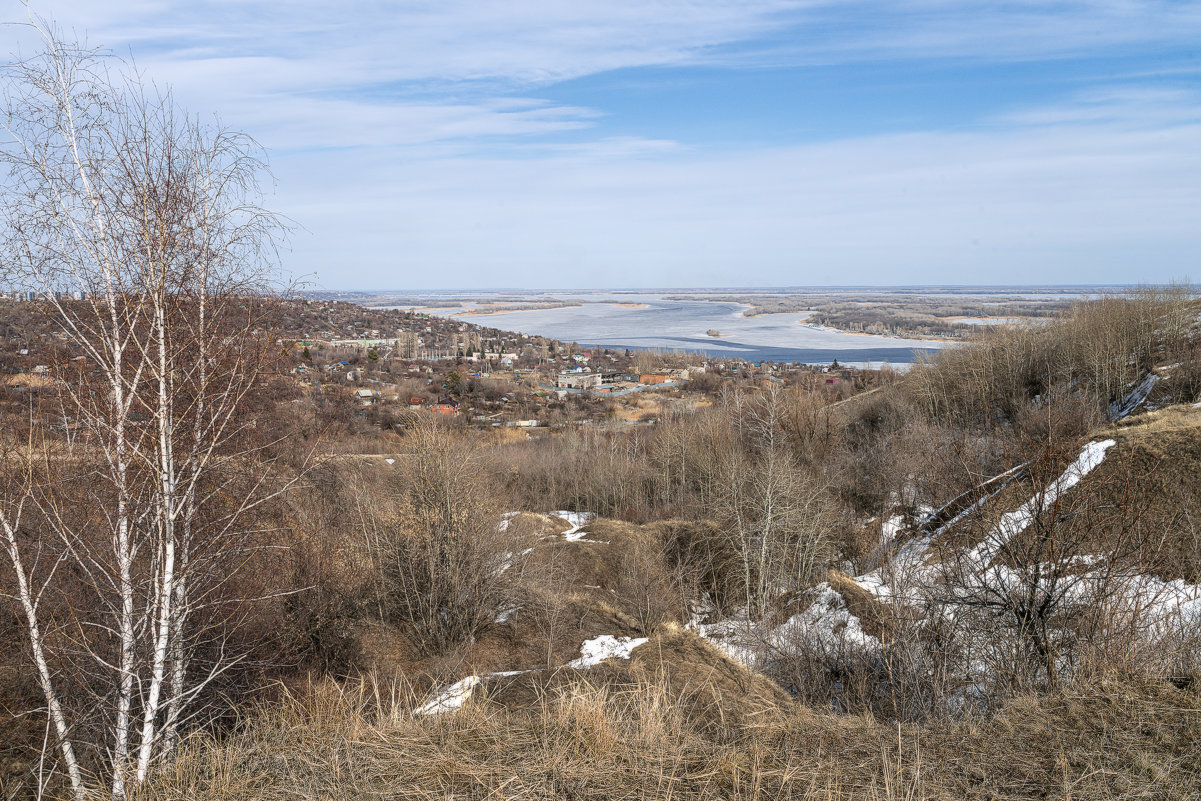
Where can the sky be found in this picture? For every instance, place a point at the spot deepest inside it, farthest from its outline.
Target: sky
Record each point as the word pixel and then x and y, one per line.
pixel 445 144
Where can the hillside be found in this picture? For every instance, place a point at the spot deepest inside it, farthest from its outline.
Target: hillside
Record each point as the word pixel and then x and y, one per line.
pixel 1052 564
pixel 978 579
pixel 668 715
pixel 750 540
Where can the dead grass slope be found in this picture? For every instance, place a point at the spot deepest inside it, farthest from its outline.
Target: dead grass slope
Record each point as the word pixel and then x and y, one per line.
pixel 1155 472
pixel 713 692
pixel 1143 501
pixel 569 591
pixel 586 740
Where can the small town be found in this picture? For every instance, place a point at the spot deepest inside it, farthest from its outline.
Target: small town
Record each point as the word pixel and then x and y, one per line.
pixel 461 372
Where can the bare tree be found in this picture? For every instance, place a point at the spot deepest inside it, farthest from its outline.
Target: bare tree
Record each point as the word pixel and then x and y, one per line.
pixel 547 606
pixel 447 559
pixel 1059 575
pixel 140 229
pixel 775 513
pixel 650 590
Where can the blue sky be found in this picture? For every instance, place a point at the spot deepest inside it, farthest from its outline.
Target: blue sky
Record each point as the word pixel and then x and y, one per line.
pixel 626 143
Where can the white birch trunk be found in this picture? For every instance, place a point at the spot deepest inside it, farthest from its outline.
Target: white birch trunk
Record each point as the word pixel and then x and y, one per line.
pixel 165 591
pixel 124 557
pixel 45 679
pixel 121 197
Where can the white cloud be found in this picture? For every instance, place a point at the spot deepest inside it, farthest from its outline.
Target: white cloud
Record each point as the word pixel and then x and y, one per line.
pixel 310 122
pixel 1142 107
pixel 987 30
pixel 1020 203
pixel 1027 204
pixel 407 140
pixel 526 41
pixel 373 72
pixel 530 42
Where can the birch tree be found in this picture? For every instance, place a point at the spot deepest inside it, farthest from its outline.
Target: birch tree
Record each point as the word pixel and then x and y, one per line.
pixel 141 230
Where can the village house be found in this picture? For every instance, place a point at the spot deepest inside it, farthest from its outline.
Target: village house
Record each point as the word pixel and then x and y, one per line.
pixel 446 406
pixel 573 380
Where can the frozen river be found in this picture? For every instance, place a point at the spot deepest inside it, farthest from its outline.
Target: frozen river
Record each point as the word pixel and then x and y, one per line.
pixel 653 322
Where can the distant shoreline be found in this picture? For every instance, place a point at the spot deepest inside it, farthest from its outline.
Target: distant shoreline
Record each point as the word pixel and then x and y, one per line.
pixel 511 310
pixel 491 312
pixel 917 337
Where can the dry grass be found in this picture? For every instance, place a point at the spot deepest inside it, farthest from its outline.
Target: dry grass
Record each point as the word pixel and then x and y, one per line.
pixel 1160 451
pixel 877 619
pixel 594 561
pixel 639 407
pixel 589 739
pixel 1146 489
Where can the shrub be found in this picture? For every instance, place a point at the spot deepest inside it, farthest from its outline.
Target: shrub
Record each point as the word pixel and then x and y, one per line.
pixel 445 560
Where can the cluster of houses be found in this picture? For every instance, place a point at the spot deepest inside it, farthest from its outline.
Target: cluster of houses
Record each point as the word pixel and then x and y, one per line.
pixel 357 350
pixel 583 379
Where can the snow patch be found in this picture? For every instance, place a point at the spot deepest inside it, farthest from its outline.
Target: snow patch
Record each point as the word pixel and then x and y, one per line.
pixel 606 646
pixel 828 620
pixel 1136 398
pixel 506 520
pixel 511 559
pixel 456 695
pixel 1015 522
pixel 577 520
pixel 892 527
pixel 505 614
pixel 450 698
pixel 906 577
pixel 592 653
pixel 735 637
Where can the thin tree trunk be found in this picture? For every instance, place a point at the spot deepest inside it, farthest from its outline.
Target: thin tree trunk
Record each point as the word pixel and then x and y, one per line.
pixel 167 509
pixel 45 679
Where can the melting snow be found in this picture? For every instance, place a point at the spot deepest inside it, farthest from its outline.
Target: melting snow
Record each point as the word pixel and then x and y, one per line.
pixel 457 694
pixel 735 636
pixel 828 622
pixel 891 526
pixel 577 520
pixel 1014 523
pixel 511 559
pixel 505 614
pixel 1136 398
pixel 606 646
pixel 592 653
pixel 450 698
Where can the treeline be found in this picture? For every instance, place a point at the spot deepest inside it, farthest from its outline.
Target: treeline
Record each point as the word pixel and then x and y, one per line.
pixel 914 314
